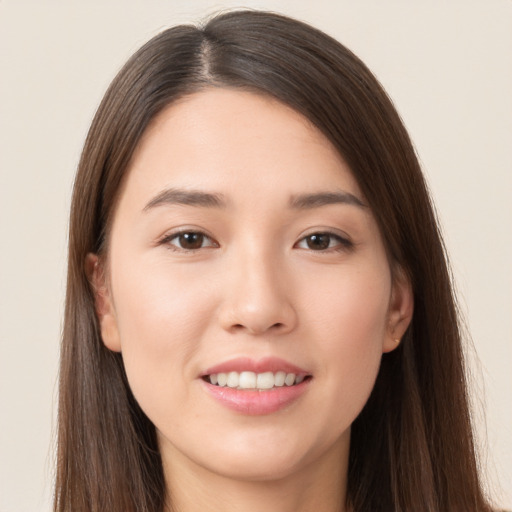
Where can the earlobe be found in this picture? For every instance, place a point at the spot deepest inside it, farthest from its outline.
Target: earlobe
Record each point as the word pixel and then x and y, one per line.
pixel 401 309
pixel 103 303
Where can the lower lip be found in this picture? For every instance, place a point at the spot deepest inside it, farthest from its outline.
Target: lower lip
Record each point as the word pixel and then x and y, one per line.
pixel 257 402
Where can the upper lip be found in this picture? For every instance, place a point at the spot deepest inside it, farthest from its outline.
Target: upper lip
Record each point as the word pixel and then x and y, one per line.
pixel 267 364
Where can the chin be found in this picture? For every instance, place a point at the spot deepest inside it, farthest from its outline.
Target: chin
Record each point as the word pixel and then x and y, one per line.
pixel 252 468
pixel 274 455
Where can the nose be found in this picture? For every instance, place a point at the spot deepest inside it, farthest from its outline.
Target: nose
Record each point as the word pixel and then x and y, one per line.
pixel 258 299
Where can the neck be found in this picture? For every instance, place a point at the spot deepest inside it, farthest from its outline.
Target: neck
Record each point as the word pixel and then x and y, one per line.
pixel 320 485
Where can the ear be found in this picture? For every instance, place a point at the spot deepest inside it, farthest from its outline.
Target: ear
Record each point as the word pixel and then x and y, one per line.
pixel 401 307
pixel 103 302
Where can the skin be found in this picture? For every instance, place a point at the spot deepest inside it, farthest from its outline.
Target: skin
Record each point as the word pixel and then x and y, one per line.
pixel 255 287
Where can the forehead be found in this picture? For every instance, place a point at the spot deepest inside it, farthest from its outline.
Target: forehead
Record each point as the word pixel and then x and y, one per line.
pixel 237 143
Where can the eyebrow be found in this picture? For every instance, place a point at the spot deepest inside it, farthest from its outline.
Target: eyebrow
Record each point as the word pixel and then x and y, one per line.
pixel 202 199
pixel 318 199
pixel 186 197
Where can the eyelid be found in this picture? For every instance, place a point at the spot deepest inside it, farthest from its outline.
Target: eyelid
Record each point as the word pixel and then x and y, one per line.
pixel 171 235
pixel 345 242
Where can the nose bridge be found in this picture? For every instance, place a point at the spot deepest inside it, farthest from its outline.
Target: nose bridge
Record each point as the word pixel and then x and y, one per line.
pixel 258 297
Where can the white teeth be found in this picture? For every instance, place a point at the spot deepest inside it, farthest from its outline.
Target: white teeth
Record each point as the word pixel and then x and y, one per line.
pixel 265 380
pixel 233 379
pixel 279 379
pixel 251 380
pixel 289 379
pixel 222 379
pixel 247 380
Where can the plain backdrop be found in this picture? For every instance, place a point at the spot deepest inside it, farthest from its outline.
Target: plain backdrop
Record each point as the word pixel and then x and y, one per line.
pixel 448 67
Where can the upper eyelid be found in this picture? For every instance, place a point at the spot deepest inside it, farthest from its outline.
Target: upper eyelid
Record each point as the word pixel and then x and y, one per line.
pixel 345 242
pixel 340 235
pixel 167 238
pixel 169 235
pixel 327 231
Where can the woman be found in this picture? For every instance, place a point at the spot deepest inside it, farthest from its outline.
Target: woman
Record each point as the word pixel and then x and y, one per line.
pixel 259 313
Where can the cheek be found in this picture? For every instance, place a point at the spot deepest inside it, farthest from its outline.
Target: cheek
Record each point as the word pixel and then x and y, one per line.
pixel 349 316
pixel 350 306
pixel 152 311
pixel 161 318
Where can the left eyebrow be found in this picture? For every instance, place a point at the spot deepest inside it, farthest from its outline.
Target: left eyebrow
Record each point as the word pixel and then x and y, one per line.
pixel 318 199
pixel 186 197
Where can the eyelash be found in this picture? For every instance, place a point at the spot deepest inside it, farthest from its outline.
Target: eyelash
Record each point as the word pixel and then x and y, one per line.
pixel 343 244
pixel 167 240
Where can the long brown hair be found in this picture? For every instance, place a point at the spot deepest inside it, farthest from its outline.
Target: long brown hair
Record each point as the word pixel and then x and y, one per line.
pixel 411 447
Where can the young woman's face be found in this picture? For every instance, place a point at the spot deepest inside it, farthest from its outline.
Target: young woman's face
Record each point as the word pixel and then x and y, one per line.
pixel 242 249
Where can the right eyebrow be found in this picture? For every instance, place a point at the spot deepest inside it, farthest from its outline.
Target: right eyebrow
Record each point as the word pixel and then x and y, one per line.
pixel 319 199
pixel 172 196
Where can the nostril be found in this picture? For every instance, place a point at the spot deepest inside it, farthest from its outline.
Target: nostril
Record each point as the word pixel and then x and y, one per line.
pixel 258 329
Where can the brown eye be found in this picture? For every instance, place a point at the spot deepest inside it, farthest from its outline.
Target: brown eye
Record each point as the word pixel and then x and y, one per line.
pixel 324 242
pixel 189 241
pixel 318 242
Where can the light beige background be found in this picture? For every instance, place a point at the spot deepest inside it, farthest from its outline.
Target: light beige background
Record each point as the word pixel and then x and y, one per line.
pixel 447 65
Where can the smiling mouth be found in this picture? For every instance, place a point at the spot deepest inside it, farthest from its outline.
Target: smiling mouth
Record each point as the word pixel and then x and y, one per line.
pixel 247 380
